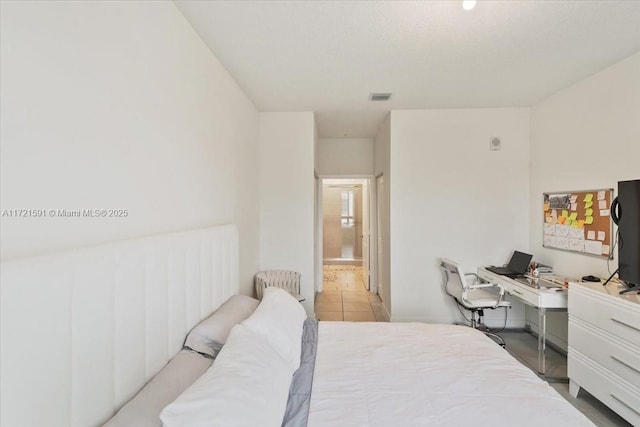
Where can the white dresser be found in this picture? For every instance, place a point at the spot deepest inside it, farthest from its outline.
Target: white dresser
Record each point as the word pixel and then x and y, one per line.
pixel 604 346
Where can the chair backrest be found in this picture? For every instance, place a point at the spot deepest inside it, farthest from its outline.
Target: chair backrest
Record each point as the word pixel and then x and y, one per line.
pixel 455 283
pixel 285 279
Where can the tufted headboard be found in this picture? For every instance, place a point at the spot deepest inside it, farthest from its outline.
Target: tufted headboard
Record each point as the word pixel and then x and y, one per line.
pixel 83 330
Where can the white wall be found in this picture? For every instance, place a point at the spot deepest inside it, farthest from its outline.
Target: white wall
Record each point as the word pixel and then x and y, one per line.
pixel 345 156
pixel 120 105
pixel 287 196
pixel 382 167
pixel 453 197
pixel 584 137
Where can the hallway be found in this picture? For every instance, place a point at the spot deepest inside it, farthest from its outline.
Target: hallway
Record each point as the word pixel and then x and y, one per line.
pixel 345 297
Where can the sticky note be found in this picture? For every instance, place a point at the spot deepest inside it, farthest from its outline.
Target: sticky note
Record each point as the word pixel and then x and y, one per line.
pixel 580 223
pixel 601 195
pixel 588 212
pixel 574 224
pixel 602 204
pixel 591 235
pixel 604 212
pixel 574 206
pixel 565 214
pixel 573 216
pixel 601 235
pixel 574 198
pixel 587 205
pixel 588 197
pixel 605 249
pixel 554 213
pixel 561 220
pixel 546 207
pixel 588 220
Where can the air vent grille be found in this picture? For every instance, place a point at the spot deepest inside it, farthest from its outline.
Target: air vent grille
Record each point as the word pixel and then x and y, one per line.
pixel 379 96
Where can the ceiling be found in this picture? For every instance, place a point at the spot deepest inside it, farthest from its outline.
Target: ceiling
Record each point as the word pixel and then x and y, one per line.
pixel 328 56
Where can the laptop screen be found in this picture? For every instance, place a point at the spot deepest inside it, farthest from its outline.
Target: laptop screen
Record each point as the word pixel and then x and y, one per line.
pixel 519 262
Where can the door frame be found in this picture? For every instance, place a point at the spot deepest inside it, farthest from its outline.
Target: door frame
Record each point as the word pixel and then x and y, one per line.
pixel 373 234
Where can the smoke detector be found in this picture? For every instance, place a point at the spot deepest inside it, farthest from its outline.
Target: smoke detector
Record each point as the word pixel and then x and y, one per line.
pixel 495 143
pixel 378 96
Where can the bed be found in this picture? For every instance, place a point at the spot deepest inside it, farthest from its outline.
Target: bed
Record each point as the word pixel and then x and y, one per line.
pixel 413 374
pixel 364 374
pixel 126 308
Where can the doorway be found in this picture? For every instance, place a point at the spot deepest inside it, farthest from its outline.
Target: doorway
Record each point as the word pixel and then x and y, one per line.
pixel 347 213
pixel 345 222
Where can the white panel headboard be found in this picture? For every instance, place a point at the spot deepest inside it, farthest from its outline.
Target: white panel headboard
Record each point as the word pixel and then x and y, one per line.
pixel 83 330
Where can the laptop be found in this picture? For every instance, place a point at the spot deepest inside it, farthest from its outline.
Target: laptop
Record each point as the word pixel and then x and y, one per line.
pixel 517 266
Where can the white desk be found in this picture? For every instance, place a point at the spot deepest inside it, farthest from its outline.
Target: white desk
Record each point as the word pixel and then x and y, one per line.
pixel 538 293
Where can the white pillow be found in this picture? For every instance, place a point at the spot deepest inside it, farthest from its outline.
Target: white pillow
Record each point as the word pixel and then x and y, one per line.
pixel 279 318
pixel 247 385
pixel 209 335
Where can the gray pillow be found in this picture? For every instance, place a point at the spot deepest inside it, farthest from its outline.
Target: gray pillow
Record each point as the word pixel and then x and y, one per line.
pixel 144 409
pixel 208 336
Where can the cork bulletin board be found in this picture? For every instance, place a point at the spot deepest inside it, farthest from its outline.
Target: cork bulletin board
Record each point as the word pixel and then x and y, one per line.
pixel 579 221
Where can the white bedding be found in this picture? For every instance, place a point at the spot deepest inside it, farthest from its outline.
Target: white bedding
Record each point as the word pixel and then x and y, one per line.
pixel 413 374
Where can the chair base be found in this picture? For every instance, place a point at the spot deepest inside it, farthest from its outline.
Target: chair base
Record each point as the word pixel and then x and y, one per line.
pixel 479 325
pixel 497 338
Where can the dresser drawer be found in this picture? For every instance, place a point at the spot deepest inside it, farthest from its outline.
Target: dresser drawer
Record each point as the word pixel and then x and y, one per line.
pixel 609 390
pixel 614 318
pixel 622 361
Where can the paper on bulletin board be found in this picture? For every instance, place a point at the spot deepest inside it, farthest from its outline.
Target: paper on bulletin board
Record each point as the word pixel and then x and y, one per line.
pixel 593 247
pixel 576 233
pixel 576 245
pixel 562 230
pixel 549 229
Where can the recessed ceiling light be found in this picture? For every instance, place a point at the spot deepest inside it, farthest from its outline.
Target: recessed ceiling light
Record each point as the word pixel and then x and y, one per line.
pixel 468 4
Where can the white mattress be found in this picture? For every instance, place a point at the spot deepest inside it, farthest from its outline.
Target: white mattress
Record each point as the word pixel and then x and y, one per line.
pixel 413 374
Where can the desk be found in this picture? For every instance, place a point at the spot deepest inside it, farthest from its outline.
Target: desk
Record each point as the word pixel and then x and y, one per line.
pixel 538 293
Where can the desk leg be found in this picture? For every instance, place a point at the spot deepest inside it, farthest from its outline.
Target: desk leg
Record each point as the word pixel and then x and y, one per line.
pixel 542 341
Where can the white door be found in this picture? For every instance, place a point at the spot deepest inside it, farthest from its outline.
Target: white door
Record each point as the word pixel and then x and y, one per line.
pixel 380 213
pixel 365 234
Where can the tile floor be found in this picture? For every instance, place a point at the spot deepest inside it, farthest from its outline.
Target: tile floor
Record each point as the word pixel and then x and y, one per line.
pixel 345 297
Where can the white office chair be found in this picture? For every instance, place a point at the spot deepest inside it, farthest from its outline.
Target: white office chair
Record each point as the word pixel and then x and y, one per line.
pixel 473 295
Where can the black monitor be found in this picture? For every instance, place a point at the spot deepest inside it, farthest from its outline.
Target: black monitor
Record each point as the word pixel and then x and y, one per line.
pixel 625 212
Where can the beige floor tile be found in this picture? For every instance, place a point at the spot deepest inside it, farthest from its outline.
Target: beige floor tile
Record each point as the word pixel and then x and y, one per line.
pixel 357 306
pixel 328 306
pixel 355 297
pixel 359 316
pixel 329 315
pixel 329 296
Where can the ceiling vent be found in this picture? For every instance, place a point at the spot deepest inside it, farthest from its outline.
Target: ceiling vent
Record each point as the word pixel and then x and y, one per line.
pixel 379 96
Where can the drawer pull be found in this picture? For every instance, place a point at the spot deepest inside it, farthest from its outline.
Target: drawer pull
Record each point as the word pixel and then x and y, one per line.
pixel 625 364
pixel 622 402
pixel 516 292
pixel 620 322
